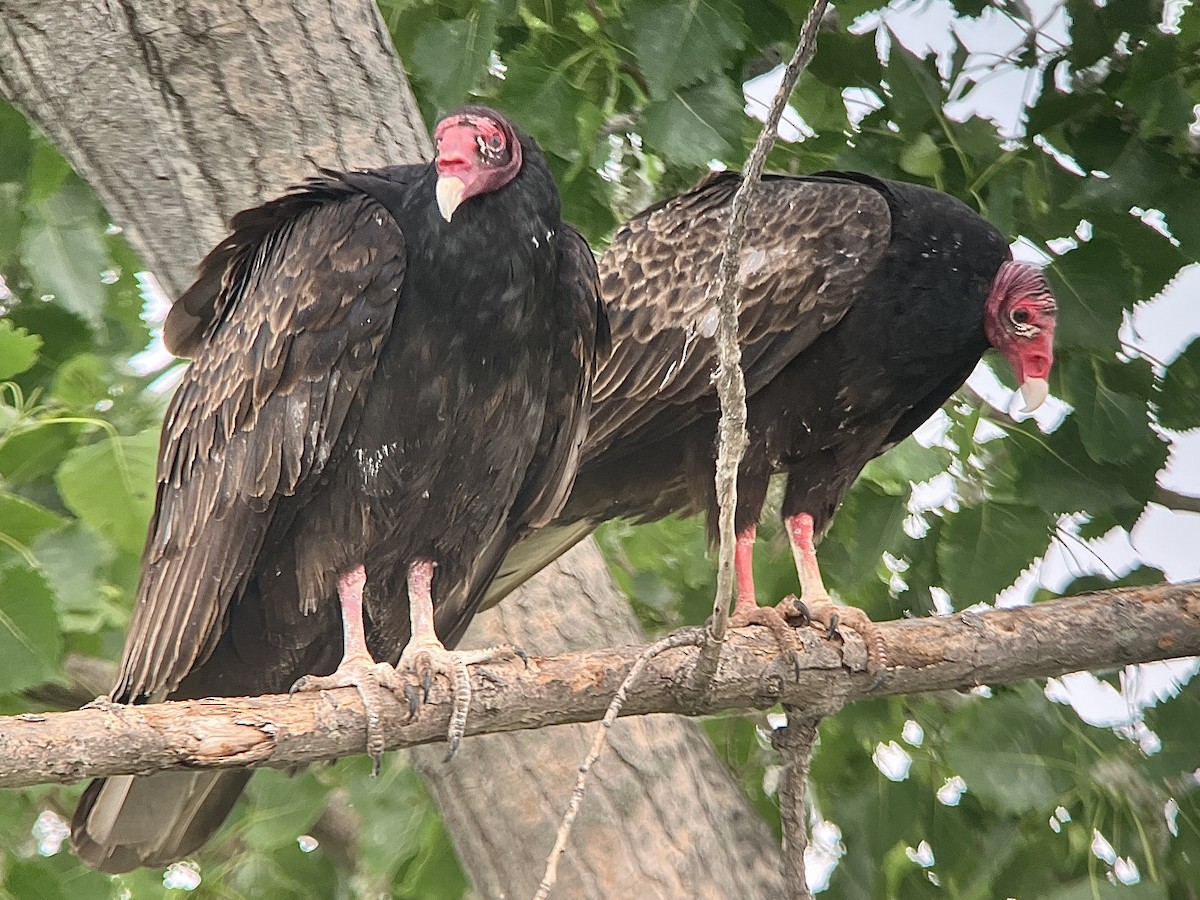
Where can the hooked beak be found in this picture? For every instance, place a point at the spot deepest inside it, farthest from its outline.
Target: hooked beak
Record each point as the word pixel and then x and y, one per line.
pixel 1034 392
pixel 450 189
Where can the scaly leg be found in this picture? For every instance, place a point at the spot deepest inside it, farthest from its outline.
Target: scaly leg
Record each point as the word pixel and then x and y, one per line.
pixel 747 611
pixel 425 654
pixel 358 668
pixel 816 603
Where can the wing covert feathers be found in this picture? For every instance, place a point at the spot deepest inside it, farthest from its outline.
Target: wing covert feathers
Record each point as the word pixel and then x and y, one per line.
pixel 291 340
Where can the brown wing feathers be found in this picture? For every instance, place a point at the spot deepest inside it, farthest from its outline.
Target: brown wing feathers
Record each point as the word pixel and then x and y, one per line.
pixel 258 413
pixel 809 243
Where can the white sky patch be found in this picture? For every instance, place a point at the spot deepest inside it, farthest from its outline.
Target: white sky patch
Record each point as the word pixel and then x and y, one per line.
pixel 942 604
pixel 51 830
pixel 155 306
pixel 913 733
pixel 760 91
pixel 496 66
pixel 1171 814
pixel 1096 702
pixel 182 876
pixel 1102 849
pixel 922 854
pixel 1125 870
pixel 892 760
pixel 1102 705
pixel 821 856
pixel 307 843
pixel 951 791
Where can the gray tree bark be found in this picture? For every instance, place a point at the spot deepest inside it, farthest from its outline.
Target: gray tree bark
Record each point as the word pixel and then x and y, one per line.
pixel 181 113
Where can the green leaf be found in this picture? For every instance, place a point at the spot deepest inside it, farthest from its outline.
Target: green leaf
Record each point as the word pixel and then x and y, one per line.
pixel 689 127
pixel 546 104
pixel 905 464
pixel 916 96
pixel 21 521
pixel 869 522
pixel 922 158
pixel 1056 472
pixel 1109 398
pixel 18 349
pixel 82 381
pixel 71 558
pixel 110 485
pixel 63 249
pixel 48 170
pixel 1095 289
pixel 1178 401
pixel 28 878
pixel 449 57
pixel 984 548
pixel 1005 749
pixel 30 640
pixel 678 45
pixel 15 149
pixel 283 808
pixel 1100 888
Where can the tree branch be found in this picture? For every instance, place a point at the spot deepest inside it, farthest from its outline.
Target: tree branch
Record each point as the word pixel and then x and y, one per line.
pixel 1175 500
pixel 1100 630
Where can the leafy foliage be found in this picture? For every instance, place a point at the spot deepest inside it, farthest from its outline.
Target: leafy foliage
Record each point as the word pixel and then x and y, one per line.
pixel 632 100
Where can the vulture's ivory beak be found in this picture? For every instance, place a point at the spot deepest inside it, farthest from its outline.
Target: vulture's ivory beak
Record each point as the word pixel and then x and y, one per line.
pixel 449 195
pixel 1034 392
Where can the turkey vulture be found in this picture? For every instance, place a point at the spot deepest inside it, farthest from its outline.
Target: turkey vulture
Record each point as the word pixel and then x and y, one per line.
pixel 391 381
pixel 864 305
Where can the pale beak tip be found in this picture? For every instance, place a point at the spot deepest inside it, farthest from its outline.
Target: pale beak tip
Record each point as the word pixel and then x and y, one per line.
pixel 1034 392
pixel 449 195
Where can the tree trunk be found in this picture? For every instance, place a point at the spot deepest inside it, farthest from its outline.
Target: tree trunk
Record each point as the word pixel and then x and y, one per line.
pixel 181 113
pixel 662 817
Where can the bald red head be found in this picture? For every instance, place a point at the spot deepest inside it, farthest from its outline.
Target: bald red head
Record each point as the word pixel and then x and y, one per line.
pixel 1019 319
pixel 477 152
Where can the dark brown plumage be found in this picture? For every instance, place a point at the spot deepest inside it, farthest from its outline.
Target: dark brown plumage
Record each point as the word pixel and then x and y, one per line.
pixel 865 304
pixel 392 373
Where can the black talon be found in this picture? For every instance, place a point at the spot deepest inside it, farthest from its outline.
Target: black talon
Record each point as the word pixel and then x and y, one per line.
pixel 831 631
pixel 427 682
pixel 414 701
pixel 522 655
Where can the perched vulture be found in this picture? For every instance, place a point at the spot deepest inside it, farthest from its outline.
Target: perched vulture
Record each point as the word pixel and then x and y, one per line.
pixel 391 381
pixel 864 305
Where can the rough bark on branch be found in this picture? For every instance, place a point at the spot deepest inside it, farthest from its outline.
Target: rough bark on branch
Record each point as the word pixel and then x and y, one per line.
pixel 1099 630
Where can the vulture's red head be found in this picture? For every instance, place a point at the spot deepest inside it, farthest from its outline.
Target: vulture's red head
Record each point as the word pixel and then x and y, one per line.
pixel 1019 319
pixel 477 152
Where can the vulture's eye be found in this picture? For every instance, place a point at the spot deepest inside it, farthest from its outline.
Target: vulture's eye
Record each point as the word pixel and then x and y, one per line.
pixel 1019 316
pixel 494 142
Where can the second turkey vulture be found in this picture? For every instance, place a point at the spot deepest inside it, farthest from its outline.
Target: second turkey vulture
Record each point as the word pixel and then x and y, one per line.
pixel 391 380
pixel 864 305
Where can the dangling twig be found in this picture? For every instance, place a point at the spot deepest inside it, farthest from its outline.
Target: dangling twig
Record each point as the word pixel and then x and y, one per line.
pixel 687 637
pixel 795 743
pixel 731 385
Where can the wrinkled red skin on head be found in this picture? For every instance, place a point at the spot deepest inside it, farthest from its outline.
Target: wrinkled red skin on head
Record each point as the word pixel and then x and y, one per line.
pixel 1019 319
pixel 480 151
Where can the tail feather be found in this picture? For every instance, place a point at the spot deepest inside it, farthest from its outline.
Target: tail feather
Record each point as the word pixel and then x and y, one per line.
pixel 533 553
pixel 128 821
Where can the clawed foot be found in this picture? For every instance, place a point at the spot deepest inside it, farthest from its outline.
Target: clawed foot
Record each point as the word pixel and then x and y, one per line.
pixel 828 615
pixel 422 661
pixel 370 679
pixel 775 619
